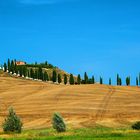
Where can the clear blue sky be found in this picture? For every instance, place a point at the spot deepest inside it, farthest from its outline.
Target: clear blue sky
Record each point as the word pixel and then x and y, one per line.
pixel 101 37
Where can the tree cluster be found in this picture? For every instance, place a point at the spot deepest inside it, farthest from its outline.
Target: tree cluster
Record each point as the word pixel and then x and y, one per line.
pixel 35 71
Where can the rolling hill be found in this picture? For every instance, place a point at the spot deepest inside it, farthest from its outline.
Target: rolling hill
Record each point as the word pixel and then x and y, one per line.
pixel 81 105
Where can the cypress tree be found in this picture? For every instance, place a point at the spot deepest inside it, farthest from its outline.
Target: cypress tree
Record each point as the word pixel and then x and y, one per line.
pixel 59 78
pixel 24 71
pixel 93 80
pixel 101 80
pixel 54 76
pixel 46 77
pixel 36 74
pixel 79 79
pixel 40 73
pixel 86 78
pixel 65 79
pixel 120 82
pixel 5 67
pixel 139 78
pixel 71 80
pixel 12 67
pixel 20 71
pixel 137 81
pixel 118 79
pixel 127 81
pixel 9 65
pixel 110 82
pixel 15 68
pixel 32 73
pixel 28 73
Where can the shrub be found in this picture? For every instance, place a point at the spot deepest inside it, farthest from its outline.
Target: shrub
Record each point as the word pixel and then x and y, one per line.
pixel 12 122
pixel 136 126
pixel 58 123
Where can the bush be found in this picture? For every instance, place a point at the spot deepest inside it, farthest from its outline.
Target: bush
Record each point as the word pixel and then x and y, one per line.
pixel 58 123
pixel 136 126
pixel 12 122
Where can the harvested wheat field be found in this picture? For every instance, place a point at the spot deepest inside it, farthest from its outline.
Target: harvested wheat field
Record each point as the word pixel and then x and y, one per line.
pixel 80 105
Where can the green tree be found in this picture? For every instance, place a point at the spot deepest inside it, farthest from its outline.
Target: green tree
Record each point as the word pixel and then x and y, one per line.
pixel 32 73
pixel 12 67
pixel 65 79
pixel 93 80
pixel 20 71
pixel 136 126
pixel 12 122
pixel 79 79
pixel 15 67
pixel 54 76
pixel 120 82
pixel 71 80
pixel 101 80
pixel 58 123
pixel 110 81
pixel 5 67
pixel 24 69
pixel 9 65
pixel 59 78
pixel 118 79
pixel 127 81
pixel 137 81
pixel 86 78
pixel 36 74
pixel 46 76
pixel 28 73
pixel 40 73
pixel 139 78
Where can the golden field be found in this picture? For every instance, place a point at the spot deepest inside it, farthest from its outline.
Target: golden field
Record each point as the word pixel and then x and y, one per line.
pixel 80 105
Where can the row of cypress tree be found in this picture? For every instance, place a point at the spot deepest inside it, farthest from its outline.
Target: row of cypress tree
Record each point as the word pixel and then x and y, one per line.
pixel 39 73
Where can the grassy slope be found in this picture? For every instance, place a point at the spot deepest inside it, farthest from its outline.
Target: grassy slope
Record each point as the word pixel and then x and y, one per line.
pixel 98 133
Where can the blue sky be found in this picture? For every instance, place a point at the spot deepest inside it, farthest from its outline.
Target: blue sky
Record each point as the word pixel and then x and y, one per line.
pixel 101 37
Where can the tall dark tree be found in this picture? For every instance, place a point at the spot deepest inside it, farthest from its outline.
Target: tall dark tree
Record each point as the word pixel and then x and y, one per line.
pixel 86 78
pixel 46 63
pixel 101 80
pixel 71 80
pixel 54 76
pixel 139 78
pixel 93 80
pixel 15 68
pixel 20 71
pixel 9 65
pixel 46 76
pixel 36 74
pixel 127 81
pixel 28 73
pixel 40 73
pixel 137 81
pixel 5 67
pixel 65 79
pixel 120 82
pixel 24 71
pixel 12 67
pixel 110 81
pixel 59 78
pixel 32 73
pixel 118 79
pixel 78 79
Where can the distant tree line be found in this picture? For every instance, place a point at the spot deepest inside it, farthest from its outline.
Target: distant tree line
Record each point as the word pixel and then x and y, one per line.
pixel 43 65
pixel 36 71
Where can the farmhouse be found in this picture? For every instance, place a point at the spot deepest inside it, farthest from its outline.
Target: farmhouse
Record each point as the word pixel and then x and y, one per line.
pixel 19 63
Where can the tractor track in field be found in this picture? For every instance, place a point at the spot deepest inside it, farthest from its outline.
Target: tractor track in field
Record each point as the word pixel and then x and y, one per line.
pixel 104 104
